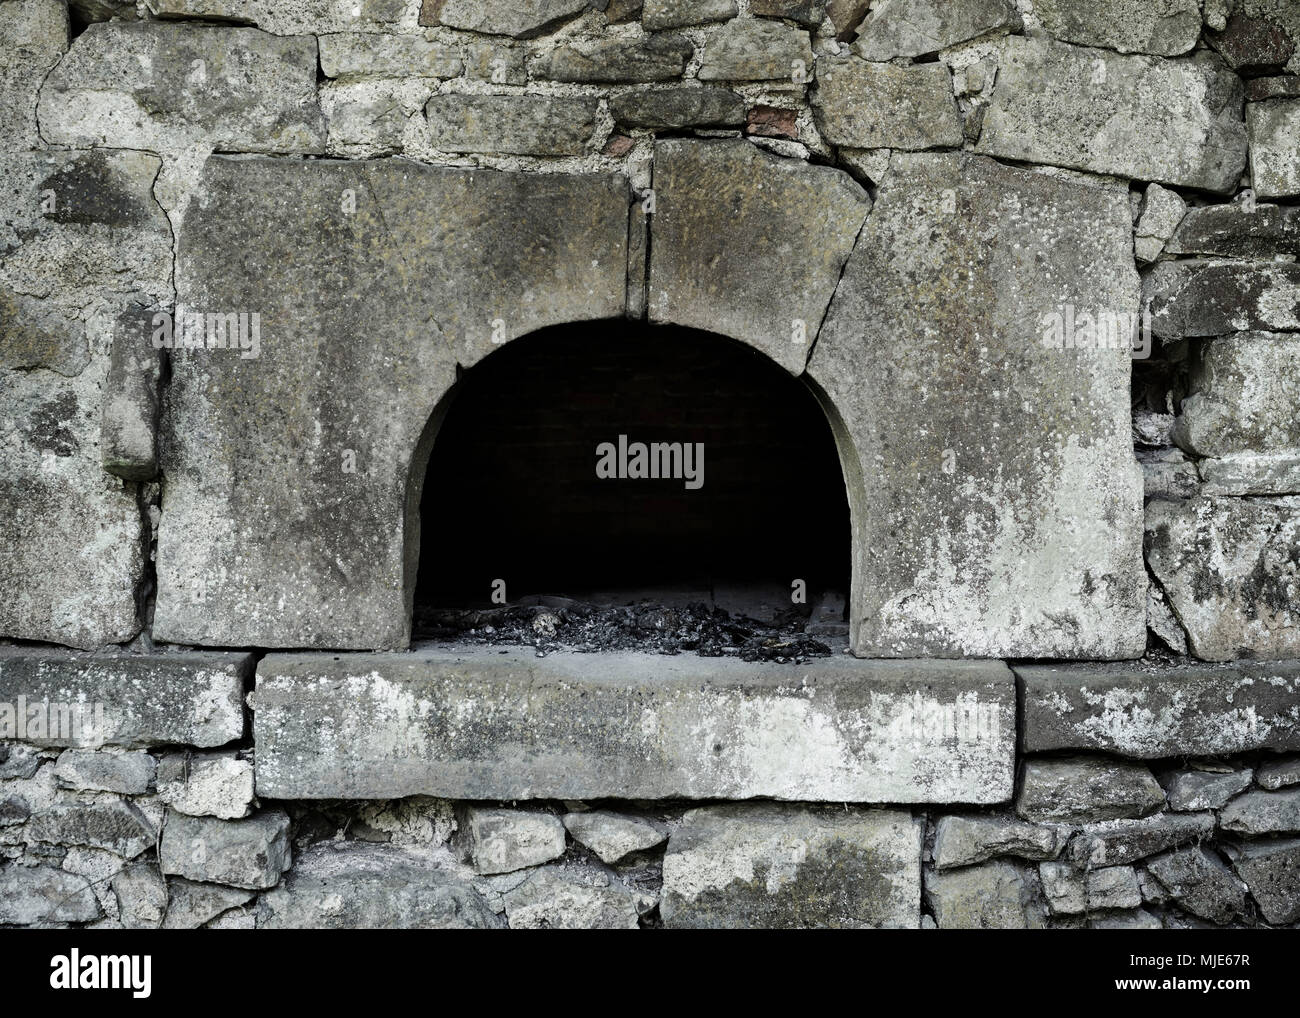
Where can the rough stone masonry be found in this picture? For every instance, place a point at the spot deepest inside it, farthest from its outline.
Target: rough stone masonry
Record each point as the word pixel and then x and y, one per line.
pixel 1036 258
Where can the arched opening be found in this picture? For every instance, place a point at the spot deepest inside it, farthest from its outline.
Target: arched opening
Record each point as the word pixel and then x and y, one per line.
pixel 614 463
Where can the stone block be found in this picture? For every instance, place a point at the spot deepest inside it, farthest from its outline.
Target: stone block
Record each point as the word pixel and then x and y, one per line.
pixel 1274 130
pixel 1214 296
pixel 251 853
pixel 917 28
pixel 1129 26
pixel 535 125
pixel 880 105
pixel 1086 789
pixel 992 896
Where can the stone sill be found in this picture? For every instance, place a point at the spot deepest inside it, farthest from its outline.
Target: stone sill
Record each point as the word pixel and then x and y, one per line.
pixel 486 723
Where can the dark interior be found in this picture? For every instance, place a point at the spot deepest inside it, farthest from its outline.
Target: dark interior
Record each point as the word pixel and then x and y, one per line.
pixel 512 491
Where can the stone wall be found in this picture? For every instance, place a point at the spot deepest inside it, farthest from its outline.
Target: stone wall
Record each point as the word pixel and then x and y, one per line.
pixel 944 217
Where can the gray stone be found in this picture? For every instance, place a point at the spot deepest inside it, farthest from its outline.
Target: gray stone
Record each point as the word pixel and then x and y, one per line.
pixel 915 28
pixel 1262 813
pixel 116 826
pixel 129 428
pixel 504 840
pixel 1242 396
pixel 14 809
pixel 808 13
pixel 1138 919
pixel 1286 86
pixel 754 50
pixel 657 14
pixel 42 894
pixel 163 85
pixel 963 840
pixel 1214 296
pixel 191 905
pixel 146 700
pixel 876 105
pixel 1248 473
pixel 1278 773
pixel 395 56
pixel 1073 892
pixel 1282 15
pixel 296 17
pixel 33 36
pixel 1253 45
pixel 141 896
pixel 1168 473
pixel 612 835
pixel 542 248
pixel 1162 621
pixel 791 867
pixel 1274 129
pixel 1115 842
pixel 354 885
pixel 634 726
pixel 993 896
pixel 18 760
pixel 662 108
pixel 497 62
pixel 1199 882
pixel 749 245
pixel 1167 28
pixel 652 58
pixel 128 773
pixel 536 125
pixel 250 853
pixel 368 117
pixel 1026 542
pixel 572 898
pixel 1093 110
pixel 1271 869
pixel 523 19
pixel 206 784
pixel 1220 563
pixel 1086 789
pixel 1238 230
pixel 1194 790
pixel 1162 212
pixel 1154 712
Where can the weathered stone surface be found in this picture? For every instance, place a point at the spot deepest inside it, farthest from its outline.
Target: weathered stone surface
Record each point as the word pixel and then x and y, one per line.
pixel 368 117
pixel 18 760
pixel 191 905
pixel 678 107
pixel 503 840
pixel 1281 14
pixel 657 14
pixel 915 28
pixel 1263 813
pixel 206 784
pixel 1140 919
pixel 296 17
pixel 1086 789
pixel 162 85
pixel 1222 562
pixel 1253 45
pixel 963 840
pixel 1026 542
pixel 1248 473
pixel 1286 86
pixel 250 853
pixel 1161 712
pixel 1271 869
pixel 1278 773
pixel 754 50
pixel 785 866
pixel 1237 230
pixel 612 835
pixel 14 809
pixel 1274 129
pixel 146 700
pixel 1115 842
pixel 846 16
pixel 1071 892
pixel 1213 296
pixel 1168 473
pixel 876 105
pixel 347 54
pixel 652 58
pixel 141 896
pixel 539 248
pixel 537 125
pixel 749 245
pixel 128 773
pixel 129 428
pixel 116 826
pixel 1242 396
pixel 808 13
pixel 523 19
pixel 1089 110
pixel 572 897
pixel 1198 881
pixel 354 885
pixel 33 36
pixel 1161 213
pixel 638 726
pixel 1194 790
pixel 994 896
pixel 1130 26
pixel 43 894
pixel 772 122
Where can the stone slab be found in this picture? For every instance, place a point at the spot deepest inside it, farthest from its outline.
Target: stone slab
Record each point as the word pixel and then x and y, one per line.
pixel 480 724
